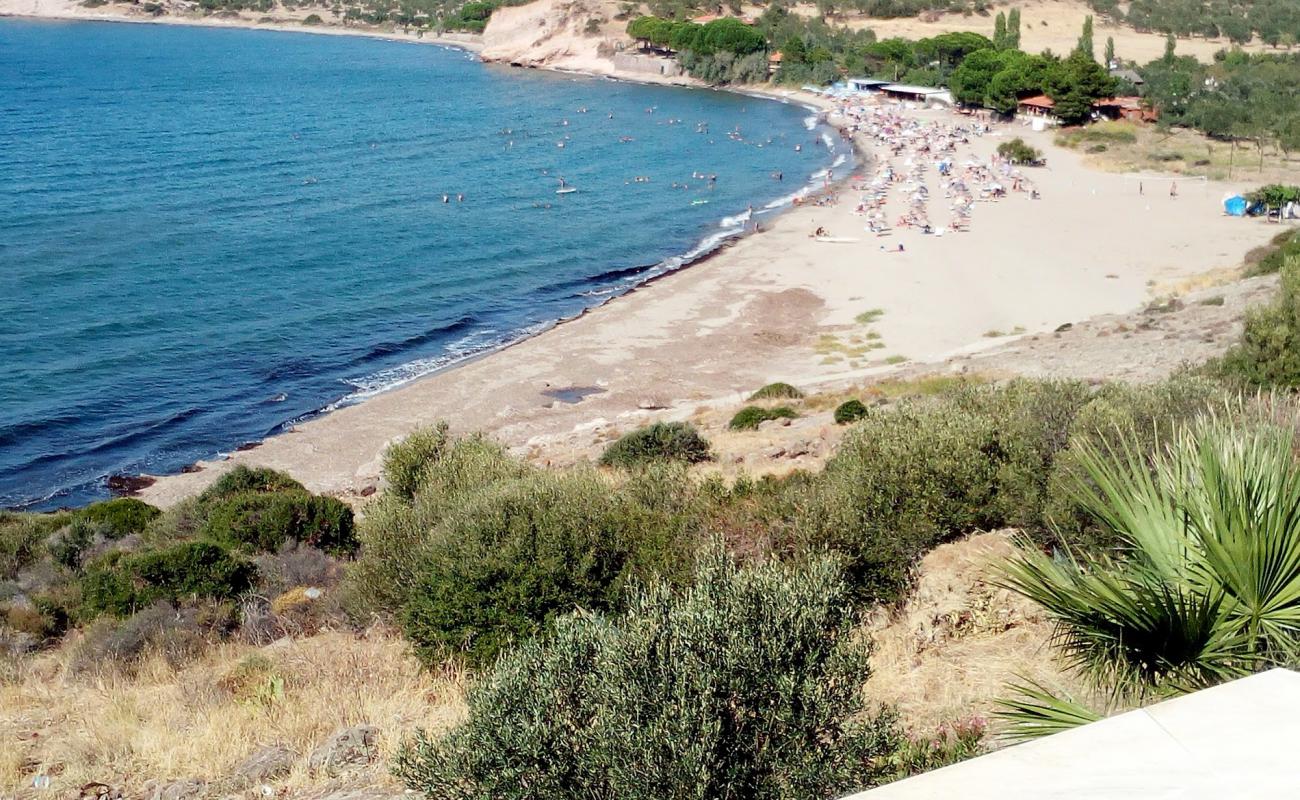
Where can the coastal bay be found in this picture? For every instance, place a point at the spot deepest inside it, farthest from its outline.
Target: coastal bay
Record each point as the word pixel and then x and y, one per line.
pixel 765 309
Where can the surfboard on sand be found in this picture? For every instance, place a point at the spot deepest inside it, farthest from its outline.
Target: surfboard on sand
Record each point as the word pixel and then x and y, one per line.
pixel 834 239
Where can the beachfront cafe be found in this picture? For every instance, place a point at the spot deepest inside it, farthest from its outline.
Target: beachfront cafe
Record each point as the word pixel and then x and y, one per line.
pixel 916 94
pixel 864 85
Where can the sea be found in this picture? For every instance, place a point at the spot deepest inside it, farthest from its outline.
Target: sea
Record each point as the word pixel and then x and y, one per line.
pixel 208 235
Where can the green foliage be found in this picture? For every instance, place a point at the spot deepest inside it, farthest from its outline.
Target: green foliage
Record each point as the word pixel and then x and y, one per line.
pixel 849 411
pixel 1206 583
pixel 1017 151
pixel 395 533
pixel 1033 711
pixel 750 417
pixel 242 479
pixel 1075 84
pixel 744 684
pixel 662 441
pixel 123 584
pixel 120 517
pixel 1268 354
pixel 511 559
pixel 902 480
pixel 1274 21
pixel 951 743
pixel 1275 195
pixel 312 19
pixel 1286 245
pixel 1241 96
pixel 1085 45
pixel 22 538
pixel 777 391
pixel 263 521
pixel 488 549
pixel 406 462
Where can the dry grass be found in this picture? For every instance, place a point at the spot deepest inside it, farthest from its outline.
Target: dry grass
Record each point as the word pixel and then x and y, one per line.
pixel 201 720
pixel 951 649
pixel 1146 149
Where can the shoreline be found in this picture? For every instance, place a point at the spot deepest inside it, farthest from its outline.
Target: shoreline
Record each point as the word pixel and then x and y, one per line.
pixel 470 43
pixel 669 347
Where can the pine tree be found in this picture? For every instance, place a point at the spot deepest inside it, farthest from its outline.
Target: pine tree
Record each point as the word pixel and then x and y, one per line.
pixel 1085 41
pixel 1170 43
pixel 1110 51
pixel 1000 31
pixel 1013 29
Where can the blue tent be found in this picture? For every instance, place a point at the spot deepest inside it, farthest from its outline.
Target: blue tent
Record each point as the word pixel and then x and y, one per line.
pixel 1235 206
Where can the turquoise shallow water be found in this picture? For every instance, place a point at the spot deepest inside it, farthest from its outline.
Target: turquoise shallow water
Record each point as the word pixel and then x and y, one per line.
pixel 207 234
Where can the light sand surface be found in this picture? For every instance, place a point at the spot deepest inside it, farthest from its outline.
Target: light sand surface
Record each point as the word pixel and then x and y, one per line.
pixel 283 19
pixel 1044 25
pixel 760 311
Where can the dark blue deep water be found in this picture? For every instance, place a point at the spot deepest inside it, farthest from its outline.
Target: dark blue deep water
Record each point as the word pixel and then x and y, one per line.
pixel 206 234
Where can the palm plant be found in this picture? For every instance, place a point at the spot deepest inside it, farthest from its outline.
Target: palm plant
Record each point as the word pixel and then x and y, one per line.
pixel 1205 586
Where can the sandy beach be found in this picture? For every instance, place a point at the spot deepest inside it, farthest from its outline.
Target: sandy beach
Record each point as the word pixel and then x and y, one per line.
pixel 783 305
pixel 284 21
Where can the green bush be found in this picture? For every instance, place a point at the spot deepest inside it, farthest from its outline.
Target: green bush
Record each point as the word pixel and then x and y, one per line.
pixel 406 462
pixel 263 521
pixel 750 417
pixel 395 533
pixel 242 479
pixel 1268 354
pixel 1143 414
pixel 22 539
pixel 1018 151
pixel 1285 246
pixel 747 684
pixel 121 516
pixel 902 481
pixel 312 19
pixel 513 555
pixel 849 411
pixel 122 584
pixel 777 391
pixel 662 441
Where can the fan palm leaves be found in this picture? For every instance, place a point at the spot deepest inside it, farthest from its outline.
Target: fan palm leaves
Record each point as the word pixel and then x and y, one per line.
pixel 1206 584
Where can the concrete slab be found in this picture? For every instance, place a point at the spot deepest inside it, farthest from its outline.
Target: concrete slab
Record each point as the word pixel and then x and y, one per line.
pixel 1238 740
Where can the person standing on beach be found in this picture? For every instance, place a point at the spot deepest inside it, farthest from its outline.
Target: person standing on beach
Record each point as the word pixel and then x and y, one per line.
pixel 1173 189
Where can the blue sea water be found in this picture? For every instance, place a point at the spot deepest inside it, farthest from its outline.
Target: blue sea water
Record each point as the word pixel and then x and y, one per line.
pixel 208 234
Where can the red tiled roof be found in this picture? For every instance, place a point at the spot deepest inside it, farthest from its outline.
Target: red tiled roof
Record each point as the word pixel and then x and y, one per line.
pixel 776 56
pixel 1038 101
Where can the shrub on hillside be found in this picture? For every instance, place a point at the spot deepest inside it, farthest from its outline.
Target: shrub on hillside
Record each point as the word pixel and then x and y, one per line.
pixel 510 557
pixel 175 634
pixel 395 534
pixel 22 538
pixel 1116 416
pixel 747 684
pixel 1268 354
pixel 406 461
pixel 120 516
pixel 242 480
pixel 902 481
pixel 1285 245
pixel 849 411
pixel 662 441
pixel 777 391
pixel 121 584
pixel 750 417
pixel 264 521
